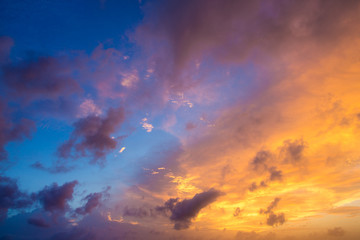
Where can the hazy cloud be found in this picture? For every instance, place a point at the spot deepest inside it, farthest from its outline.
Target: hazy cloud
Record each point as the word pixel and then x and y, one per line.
pixel 336 232
pixel 293 151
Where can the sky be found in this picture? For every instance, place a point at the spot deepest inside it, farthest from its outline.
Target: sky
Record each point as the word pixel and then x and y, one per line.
pixel 179 119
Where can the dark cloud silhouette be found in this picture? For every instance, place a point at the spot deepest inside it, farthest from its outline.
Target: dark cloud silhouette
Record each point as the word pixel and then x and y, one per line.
pixel 272 205
pixel 254 186
pixel 92 135
pixel 275 175
pixel 11 197
pixel 38 222
pixel 336 232
pixel 260 161
pixel 55 198
pixel 93 200
pixel 273 219
pixel 183 211
pixel 237 212
pixel 293 151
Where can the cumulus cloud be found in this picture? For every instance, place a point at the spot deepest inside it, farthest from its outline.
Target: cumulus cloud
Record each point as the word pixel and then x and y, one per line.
pixel 55 198
pixel 92 135
pixel 11 197
pixel 182 212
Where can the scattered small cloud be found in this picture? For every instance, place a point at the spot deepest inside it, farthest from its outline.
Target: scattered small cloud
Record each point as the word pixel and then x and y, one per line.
pixel 147 126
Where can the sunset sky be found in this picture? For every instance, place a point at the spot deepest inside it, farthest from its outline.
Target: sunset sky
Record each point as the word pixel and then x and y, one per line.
pixel 180 119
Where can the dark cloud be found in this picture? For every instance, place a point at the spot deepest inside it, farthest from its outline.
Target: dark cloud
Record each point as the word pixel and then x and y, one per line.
pixel 272 205
pixel 237 212
pixel 42 78
pixel 336 232
pixel 260 161
pixel 293 151
pixel 275 175
pixel 93 200
pixel 92 135
pixel 254 186
pixel 183 211
pixel 55 198
pixel 273 219
pixel 38 222
pixel 11 197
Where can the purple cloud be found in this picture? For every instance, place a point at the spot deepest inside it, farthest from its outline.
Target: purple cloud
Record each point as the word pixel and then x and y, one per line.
pixel 43 78
pixel 11 197
pixel 273 219
pixel 93 200
pixel 92 135
pixel 183 211
pixel 55 198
